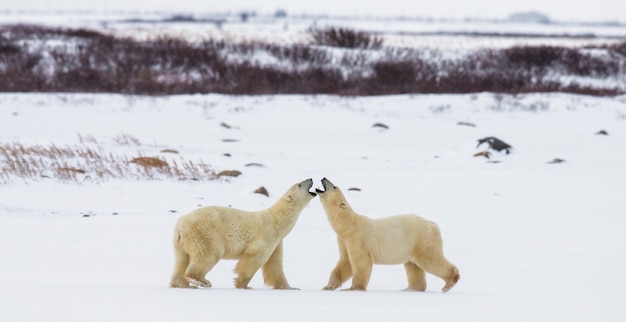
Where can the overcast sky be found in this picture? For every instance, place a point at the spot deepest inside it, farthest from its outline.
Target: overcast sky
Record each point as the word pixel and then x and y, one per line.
pixel 597 10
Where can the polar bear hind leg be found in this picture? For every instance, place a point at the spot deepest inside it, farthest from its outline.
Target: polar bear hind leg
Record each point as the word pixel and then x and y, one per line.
pixel 202 258
pixel 198 268
pixel 249 263
pixel 180 266
pixel 429 257
pixel 191 262
pixel 442 268
pixel 416 277
pixel 451 278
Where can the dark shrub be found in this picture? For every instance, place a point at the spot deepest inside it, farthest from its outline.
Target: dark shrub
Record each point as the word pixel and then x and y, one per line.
pixel 527 57
pixel 8 47
pixel 345 38
pixel 619 48
pixel 48 59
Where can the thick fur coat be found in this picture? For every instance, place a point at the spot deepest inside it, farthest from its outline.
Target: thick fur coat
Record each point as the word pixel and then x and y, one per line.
pixel 404 239
pixel 206 235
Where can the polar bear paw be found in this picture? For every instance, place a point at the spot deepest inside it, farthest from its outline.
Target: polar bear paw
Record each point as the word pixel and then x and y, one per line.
pixel 195 282
pixel 354 289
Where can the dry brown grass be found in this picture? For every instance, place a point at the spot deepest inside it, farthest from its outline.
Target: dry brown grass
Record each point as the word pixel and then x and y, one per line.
pixel 91 163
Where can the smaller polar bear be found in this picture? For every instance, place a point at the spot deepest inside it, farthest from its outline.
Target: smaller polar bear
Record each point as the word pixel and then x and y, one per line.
pixel 405 239
pixel 208 234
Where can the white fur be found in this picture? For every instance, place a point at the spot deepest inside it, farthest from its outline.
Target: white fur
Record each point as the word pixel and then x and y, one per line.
pixel 208 234
pixel 404 239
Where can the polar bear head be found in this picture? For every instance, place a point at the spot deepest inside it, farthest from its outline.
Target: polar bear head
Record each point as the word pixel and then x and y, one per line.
pixel 299 194
pixel 332 198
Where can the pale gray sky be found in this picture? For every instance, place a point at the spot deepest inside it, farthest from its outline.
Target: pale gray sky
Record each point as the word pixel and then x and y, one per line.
pixel 597 10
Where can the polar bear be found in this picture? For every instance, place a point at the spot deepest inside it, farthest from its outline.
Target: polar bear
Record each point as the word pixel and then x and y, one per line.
pixel 208 234
pixel 404 239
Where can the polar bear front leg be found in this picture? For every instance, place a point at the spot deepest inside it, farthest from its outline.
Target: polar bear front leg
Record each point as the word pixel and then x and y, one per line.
pixel 362 265
pixel 342 271
pixel 273 273
pixel 361 278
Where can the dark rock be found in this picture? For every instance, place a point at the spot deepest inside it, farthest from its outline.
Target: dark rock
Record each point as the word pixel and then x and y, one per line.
pixel 261 190
pixel 556 160
pixel 381 125
pixel 466 124
pixel 229 173
pixel 495 144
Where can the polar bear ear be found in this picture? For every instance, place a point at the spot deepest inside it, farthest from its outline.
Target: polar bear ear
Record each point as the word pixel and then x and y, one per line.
pixel 289 198
pixel 342 204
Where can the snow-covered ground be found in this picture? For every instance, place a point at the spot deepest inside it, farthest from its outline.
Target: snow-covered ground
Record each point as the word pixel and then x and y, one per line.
pixel 396 32
pixel 533 241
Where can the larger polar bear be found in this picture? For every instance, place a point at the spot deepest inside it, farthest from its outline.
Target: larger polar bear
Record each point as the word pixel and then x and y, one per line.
pixel 404 239
pixel 206 235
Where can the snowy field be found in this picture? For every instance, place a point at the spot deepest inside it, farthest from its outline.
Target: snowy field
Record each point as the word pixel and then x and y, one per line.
pixel 447 24
pixel 533 241
pixel 407 32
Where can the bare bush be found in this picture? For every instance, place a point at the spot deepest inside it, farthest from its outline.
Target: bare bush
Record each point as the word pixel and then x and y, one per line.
pixel 345 38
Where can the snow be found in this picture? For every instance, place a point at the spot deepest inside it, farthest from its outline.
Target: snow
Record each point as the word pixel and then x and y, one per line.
pixel 396 32
pixel 443 25
pixel 533 241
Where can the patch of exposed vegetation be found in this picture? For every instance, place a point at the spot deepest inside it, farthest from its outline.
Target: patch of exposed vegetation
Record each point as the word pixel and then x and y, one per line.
pixel 91 163
pixel 43 59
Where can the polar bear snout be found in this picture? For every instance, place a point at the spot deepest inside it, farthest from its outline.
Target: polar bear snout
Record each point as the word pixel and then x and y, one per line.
pixel 327 185
pixel 307 184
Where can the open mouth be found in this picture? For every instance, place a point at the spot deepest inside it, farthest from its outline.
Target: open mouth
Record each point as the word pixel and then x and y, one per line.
pixel 326 184
pixel 309 185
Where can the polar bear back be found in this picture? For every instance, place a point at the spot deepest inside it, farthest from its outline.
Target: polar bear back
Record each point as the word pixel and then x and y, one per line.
pixel 232 228
pixel 396 239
